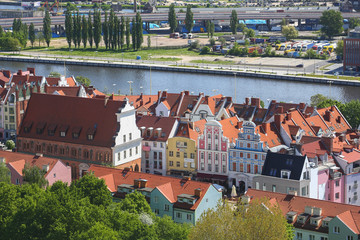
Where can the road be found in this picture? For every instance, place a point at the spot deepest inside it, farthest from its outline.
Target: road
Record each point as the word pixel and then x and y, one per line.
pixel 222 14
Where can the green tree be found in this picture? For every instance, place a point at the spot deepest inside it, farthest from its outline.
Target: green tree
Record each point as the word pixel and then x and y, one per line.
pixel 339 50
pixel 40 37
pixel 166 229
pixel 189 18
pixel 234 21
pixel 208 28
pixel 47 28
pixel 84 29
pixel 289 32
pixel 5 175
pixel 222 41
pixel 32 36
pixel 268 50
pixel 97 232
pixel 354 22
pixel 283 22
pixel 75 30
pixel 83 81
pixel 311 54
pixel 205 50
pixel 54 74
pixel 71 7
pixel 92 188
pixel 10 144
pixel 212 29
pixel 105 30
pixel 97 28
pixel 259 220
pixel 133 34
pixel 249 33
pixel 90 30
pixel 172 18
pixel 139 31
pixel 78 29
pixel 68 27
pixel 122 32
pixel 212 41
pixel 34 175
pixel 317 99
pixel 148 42
pixel 330 102
pixel 127 33
pixel 111 26
pixel 135 203
pixel 351 111
pixel 331 22
pixel 1 32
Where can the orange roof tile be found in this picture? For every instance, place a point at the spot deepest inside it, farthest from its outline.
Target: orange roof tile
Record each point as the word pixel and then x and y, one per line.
pixel 18 165
pixel 334 119
pixel 351 157
pixel 167 191
pixel 230 128
pixel 348 220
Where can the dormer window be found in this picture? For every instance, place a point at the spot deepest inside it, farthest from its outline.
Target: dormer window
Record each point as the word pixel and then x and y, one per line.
pixel 62 134
pixel 27 127
pixel 90 133
pixel 90 137
pixel 51 129
pixel 302 218
pixel 76 132
pixel 285 174
pixel 63 129
pixel 40 127
pixel 290 216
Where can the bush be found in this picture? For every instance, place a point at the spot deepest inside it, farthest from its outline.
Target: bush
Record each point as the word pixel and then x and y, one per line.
pixel 10 144
pixel 212 41
pixel 9 44
pixel 194 45
pixel 205 50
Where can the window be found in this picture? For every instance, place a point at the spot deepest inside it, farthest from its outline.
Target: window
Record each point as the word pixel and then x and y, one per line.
pixel 147 155
pixel 337 195
pixel 90 136
pixel 124 138
pixel 54 175
pixel 350 238
pixel 299 236
pixel 166 207
pixel 185 164
pixel 209 146
pixel 336 229
pixel 155 155
pixel 216 168
pixel 156 211
pixel 337 183
pixel 192 155
pixel 185 155
pixel 202 166
pixel 241 167
pixel 178 215
pixel 160 155
pixel 171 163
pixel 303 191
pixel 136 150
pixel 171 153
pixel 188 217
pixel 119 156
pixel 274 188
pixel 311 237
pixel 62 134
pixel 177 154
pixel 155 144
pixel 130 136
pixel 124 154
pixel 264 187
pixel 130 152
pixel 178 164
pixel 156 199
pixel 323 238
pixel 209 167
pixel 17 181
pixel 202 155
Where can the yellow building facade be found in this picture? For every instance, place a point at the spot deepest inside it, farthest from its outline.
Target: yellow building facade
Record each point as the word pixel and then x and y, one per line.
pixel 181 156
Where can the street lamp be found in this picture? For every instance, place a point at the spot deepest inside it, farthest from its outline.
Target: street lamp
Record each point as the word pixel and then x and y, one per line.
pixel 131 91
pixel 141 88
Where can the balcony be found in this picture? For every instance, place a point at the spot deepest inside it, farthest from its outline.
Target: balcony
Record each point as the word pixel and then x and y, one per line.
pixel 146 148
pixel 355 186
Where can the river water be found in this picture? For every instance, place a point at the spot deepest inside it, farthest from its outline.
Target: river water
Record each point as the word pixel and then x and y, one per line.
pixel 115 80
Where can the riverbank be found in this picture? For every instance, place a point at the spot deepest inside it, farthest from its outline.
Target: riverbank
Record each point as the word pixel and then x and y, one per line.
pixel 200 69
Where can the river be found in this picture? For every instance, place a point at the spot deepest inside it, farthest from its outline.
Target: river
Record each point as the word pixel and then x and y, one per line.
pixel 112 80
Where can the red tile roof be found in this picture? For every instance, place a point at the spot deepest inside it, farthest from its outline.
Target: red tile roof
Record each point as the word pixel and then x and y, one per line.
pixel 334 119
pixel 297 204
pixel 191 130
pixel 230 128
pixel 351 157
pixel 165 123
pixel 138 101
pixel 271 136
pixel 68 114
pixel 169 186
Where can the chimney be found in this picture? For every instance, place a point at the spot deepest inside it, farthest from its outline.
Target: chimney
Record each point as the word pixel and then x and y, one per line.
pixel 255 102
pixel 164 94
pixel 266 127
pixel 19 72
pixel 7 73
pixel 280 109
pixel 31 70
pixel 159 92
pixel 239 125
pixel 327 116
pixel 288 116
pixel 302 106
pixel 206 98
pixel 328 142
pixel 341 138
pixel 198 192
pixel 229 99
pixel 247 101
pixel 143 183
pixel 186 93
pixel 332 108
pixel 278 120
pixel 136 183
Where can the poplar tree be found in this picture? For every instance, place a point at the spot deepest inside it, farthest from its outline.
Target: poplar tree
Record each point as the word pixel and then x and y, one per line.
pixel 111 29
pixel 118 33
pixel 75 29
pixel 172 18
pixel 32 34
pixel 97 28
pixel 78 23
pixel 128 33
pixel 84 29
pixel 234 21
pixel 212 29
pixel 105 30
pixel 68 27
pixel 139 31
pixel 90 30
pixel 208 28
pixel 133 34
pixel 189 19
pixel 47 28
pixel 1 32
pixel 122 32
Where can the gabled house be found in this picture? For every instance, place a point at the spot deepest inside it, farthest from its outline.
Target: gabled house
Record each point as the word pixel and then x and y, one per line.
pixel 182 199
pixel 144 104
pixel 181 150
pixel 56 170
pixel 155 132
pixel 312 218
pixel 246 157
pixel 285 173
pixel 87 130
pixel 334 119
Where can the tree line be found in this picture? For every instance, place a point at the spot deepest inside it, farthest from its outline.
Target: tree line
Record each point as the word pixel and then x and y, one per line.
pixel 114 31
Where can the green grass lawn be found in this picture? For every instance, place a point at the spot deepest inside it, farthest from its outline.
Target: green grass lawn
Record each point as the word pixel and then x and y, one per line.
pixel 170 59
pixel 222 62
pixel 102 52
pixel 333 77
